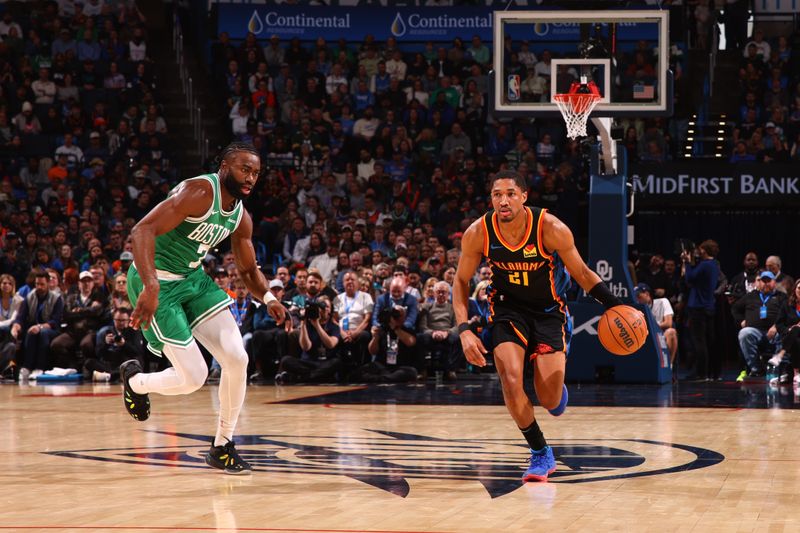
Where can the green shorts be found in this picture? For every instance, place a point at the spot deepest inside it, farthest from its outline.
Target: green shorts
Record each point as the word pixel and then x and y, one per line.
pixel 182 305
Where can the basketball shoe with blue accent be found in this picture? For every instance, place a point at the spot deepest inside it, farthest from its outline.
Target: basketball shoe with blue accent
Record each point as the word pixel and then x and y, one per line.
pixel 227 459
pixel 562 405
pixel 543 463
pixel 137 405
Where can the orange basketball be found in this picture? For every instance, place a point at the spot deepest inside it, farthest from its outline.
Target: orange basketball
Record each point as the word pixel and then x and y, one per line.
pixel 622 330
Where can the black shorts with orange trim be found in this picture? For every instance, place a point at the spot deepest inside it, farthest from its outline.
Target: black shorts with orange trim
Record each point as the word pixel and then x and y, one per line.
pixel 538 332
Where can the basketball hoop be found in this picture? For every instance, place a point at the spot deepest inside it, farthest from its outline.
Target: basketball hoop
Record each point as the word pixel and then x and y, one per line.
pixel 577 105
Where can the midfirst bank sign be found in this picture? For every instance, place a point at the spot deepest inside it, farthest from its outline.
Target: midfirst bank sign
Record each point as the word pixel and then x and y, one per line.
pixel 698 183
pixel 333 23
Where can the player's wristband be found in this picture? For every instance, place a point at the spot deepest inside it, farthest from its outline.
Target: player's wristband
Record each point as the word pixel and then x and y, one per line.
pixel 268 297
pixel 464 326
pixel 601 293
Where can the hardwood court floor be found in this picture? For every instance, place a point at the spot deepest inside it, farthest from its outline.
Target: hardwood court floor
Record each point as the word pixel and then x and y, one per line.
pixel 74 461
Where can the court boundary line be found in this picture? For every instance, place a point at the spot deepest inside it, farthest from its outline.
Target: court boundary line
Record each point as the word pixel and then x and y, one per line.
pixel 201 528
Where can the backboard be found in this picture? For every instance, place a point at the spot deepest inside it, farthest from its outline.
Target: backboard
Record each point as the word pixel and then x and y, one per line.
pixel 540 53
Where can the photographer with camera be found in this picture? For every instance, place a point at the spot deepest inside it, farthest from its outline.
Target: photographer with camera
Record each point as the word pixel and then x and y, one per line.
pixel 397 296
pixel 393 342
pixel 115 343
pixel 297 310
pixel 318 341
pixel 701 273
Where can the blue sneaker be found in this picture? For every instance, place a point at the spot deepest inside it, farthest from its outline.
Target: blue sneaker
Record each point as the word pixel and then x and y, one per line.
pixel 542 465
pixel 562 405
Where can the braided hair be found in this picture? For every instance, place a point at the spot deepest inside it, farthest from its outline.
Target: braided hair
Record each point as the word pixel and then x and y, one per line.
pixel 236 147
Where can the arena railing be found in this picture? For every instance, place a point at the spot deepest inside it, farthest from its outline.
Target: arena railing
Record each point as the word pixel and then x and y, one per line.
pixel 187 83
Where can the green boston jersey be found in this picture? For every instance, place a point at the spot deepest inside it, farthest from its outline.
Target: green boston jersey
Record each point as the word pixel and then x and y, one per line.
pixel 181 250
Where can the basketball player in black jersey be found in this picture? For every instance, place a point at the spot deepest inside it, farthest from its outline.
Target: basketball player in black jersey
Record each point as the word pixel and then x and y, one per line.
pixel 532 255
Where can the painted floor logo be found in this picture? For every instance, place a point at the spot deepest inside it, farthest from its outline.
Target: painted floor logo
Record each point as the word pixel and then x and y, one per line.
pixel 387 460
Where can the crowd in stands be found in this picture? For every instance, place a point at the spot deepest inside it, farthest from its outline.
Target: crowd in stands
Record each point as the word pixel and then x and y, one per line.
pixel 705 314
pixel 768 125
pixel 83 154
pixel 376 160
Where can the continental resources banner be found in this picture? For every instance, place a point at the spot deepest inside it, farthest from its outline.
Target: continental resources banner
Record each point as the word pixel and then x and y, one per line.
pixel 405 23
pixel 716 184
pixel 332 23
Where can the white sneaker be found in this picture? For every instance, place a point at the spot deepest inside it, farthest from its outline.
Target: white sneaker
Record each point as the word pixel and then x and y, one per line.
pixel 797 379
pixel 776 359
pixel 36 373
pixel 24 374
pixel 101 376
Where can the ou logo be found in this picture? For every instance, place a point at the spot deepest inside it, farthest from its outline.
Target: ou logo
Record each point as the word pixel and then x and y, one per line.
pixel 604 270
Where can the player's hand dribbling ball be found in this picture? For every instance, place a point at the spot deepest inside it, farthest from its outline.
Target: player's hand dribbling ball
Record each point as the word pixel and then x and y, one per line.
pixel 622 330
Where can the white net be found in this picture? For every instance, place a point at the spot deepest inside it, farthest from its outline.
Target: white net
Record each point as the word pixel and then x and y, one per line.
pixel 576 108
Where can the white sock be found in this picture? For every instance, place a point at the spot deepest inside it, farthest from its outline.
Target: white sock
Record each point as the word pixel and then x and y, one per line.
pixel 221 336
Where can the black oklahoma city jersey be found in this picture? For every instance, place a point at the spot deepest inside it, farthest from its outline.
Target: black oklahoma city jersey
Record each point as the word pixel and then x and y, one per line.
pixel 524 275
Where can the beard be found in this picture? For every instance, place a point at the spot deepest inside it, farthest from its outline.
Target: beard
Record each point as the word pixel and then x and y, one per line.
pixel 233 187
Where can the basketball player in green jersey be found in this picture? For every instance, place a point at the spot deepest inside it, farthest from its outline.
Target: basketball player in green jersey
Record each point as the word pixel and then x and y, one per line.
pixel 531 255
pixel 176 302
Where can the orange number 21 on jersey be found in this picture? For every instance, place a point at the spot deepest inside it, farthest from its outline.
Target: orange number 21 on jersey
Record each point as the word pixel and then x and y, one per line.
pixel 514 277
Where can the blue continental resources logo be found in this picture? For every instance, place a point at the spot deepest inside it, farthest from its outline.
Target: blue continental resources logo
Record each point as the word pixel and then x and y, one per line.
pixel 422 25
pixel 387 460
pixel 296 23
